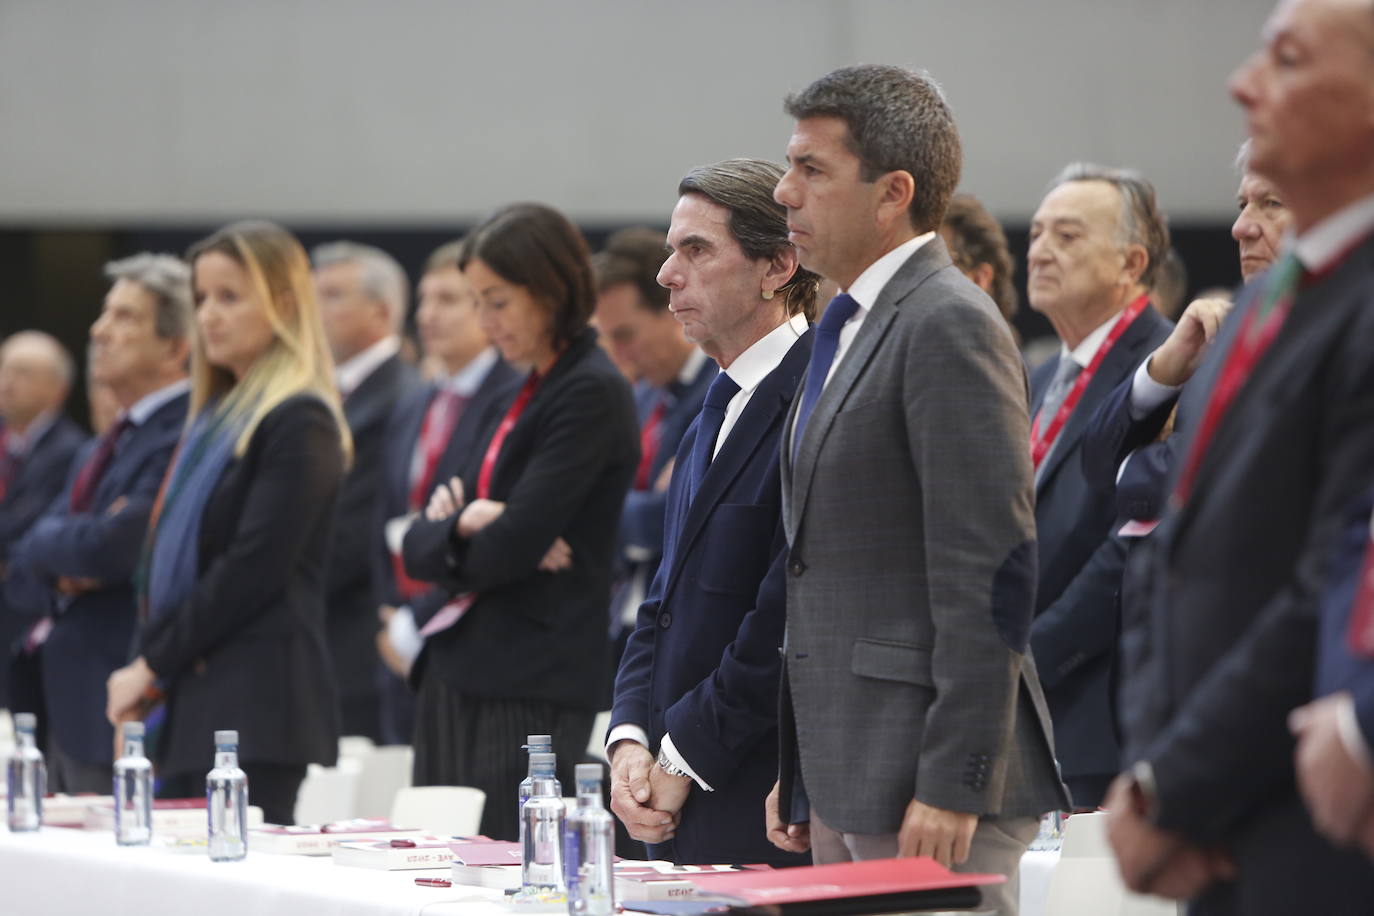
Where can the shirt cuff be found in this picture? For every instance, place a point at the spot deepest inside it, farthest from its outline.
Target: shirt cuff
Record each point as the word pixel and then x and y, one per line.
pixel 670 751
pixel 626 731
pixel 1121 471
pixel 405 637
pixel 1348 726
pixel 1146 394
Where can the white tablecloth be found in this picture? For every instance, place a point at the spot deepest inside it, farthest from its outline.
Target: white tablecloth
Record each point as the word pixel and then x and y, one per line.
pixel 57 872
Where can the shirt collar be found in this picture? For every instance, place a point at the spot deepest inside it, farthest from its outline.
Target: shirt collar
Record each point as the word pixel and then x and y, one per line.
pixel 149 404
pixel 691 367
pixel 753 365
pixel 1087 347
pixel 352 372
pixel 1319 247
pixel 18 445
pixel 468 379
pixel 866 289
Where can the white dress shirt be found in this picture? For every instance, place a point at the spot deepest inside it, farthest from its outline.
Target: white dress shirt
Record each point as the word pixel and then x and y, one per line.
pixel 868 287
pixel 150 403
pixel 352 372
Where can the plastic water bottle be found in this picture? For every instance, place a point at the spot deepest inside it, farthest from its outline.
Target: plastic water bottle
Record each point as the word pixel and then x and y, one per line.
pixel 226 801
pixel 133 791
pixel 541 862
pixel 26 776
pixel 589 848
pixel 535 744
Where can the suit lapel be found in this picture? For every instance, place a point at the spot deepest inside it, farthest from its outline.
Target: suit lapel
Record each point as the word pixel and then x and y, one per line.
pixel 929 258
pixel 766 409
pixel 407 441
pixel 1114 367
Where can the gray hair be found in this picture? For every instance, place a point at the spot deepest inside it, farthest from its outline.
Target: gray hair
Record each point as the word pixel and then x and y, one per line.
pixel 168 278
pixel 63 366
pixel 1242 162
pixel 383 279
pixel 1140 222
pixel 898 120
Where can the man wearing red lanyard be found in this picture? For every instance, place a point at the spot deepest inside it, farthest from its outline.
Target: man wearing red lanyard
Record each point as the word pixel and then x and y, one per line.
pixel 1096 242
pixel 1209 808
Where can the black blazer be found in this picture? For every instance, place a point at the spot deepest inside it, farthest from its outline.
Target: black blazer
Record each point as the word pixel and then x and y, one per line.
pixel 1113 434
pixel 247 651
pixel 1075 629
pixel 702 663
pixel 1229 637
pixel 564 471
pixel 402 436
pixel 351 611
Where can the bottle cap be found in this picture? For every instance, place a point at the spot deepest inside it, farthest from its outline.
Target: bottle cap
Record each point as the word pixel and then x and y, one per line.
pixel 227 736
pixel 26 720
pixel 588 772
pixel 543 759
pixel 538 741
pixel 133 729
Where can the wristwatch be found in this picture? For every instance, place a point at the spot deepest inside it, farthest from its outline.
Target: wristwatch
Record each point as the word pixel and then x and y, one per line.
pixel 672 769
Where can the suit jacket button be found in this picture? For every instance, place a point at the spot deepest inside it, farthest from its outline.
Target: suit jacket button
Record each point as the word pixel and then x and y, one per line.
pixel 665 620
pixel 796 567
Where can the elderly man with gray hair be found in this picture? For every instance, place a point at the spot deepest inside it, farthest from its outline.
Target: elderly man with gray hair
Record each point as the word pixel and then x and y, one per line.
pixel 37 445
pixel 363 297
pixel 1097 242
pixel 72 574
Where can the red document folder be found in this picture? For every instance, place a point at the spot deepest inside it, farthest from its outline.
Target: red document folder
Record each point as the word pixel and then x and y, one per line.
pixel 877 886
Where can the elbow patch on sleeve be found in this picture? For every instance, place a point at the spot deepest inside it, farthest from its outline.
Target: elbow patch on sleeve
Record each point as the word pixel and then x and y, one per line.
pixel 1013 595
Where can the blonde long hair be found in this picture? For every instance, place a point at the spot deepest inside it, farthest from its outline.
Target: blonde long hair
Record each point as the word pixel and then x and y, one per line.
pixel 298 359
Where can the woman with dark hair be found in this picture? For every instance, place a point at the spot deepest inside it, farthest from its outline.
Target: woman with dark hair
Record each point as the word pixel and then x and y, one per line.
pixel 233 586
pixel 524 537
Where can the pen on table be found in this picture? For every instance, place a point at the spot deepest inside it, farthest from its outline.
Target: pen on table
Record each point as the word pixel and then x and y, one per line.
pixel 434 882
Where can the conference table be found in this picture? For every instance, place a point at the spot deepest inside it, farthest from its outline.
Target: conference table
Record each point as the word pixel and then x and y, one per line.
pixel 69 872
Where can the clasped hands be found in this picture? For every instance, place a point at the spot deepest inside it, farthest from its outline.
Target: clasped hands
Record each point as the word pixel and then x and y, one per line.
pixel 1337 786
pixel 448 499
pixel 645 798
pixel 1156 861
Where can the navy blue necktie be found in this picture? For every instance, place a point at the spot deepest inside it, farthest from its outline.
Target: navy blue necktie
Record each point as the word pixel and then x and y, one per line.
pixel 722 389
pixel 823 347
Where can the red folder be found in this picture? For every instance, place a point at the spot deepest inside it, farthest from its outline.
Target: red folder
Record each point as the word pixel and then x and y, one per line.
pixel 877 886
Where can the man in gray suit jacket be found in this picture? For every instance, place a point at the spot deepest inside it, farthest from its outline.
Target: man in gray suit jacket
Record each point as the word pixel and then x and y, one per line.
pixel 912 715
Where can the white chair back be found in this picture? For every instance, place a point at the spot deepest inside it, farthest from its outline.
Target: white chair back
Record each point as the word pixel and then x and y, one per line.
pixel 1086 881
pixel 440 810
pixel 385 772
pixel 328 794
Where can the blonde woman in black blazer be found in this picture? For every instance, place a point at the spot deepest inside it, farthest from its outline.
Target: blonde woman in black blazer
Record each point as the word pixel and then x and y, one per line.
pixel 232 594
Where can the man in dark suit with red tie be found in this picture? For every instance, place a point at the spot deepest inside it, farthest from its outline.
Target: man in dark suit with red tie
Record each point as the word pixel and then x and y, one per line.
pixel 1280 451
pixel 362 293
pixel 1096 241
pixel 73 572
pixel 698 685
pixel 430 436
pixel 37 445
pixel 671 375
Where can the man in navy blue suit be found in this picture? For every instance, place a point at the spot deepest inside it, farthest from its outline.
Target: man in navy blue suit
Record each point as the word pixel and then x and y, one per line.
pixel 37 445
pixel 73 572
pixel 671 375
pixel 698 684
pixel 1097 240
pixel 431 434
